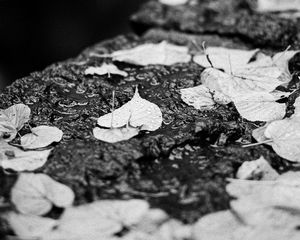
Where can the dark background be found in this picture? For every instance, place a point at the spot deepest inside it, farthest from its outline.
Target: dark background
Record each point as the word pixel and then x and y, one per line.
pixel 36 33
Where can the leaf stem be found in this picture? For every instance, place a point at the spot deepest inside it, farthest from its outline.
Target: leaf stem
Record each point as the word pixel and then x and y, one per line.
pixel 258 143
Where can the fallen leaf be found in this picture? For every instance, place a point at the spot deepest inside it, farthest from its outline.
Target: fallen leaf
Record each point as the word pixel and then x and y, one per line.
pixel 284 137
pixel 18 160
pixel 99 220
pixel 258 169
pixel 259 134
pixel 41 136
pixel 277 5
pixel 199 97
pixel 150 53
pixel 297 108
pixel 138 113
pixel 281 59
pixel 216 226
pixel 225 58
pixel 36 193
pixel 113 135
pixel 12 120
pixel 173 2
pixel 259 106
pixel 29 226
pixel 105 69
pixel 244 83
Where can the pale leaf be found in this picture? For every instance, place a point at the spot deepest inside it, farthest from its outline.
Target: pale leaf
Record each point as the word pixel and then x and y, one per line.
pixel 113 135
pixel 199 97
pixel 225 58
pixel 12 120
pixel 36 193
pixel 259 106
pixel 285 136
pixel 248 81
pixel 99 220
pixel 105 69
pixel 29 226
pixel 258 169
pixel 278 5
pixel 138 112
pixel 297 108
pixel 173 2
pixel 216 226
pixel 41 136
pixel 150 53
pixel 18 160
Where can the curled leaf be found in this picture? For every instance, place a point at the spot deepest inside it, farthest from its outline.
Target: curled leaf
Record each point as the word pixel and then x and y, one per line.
pixel 113 135
pixel 41 136
pixel 150 53
pixel 12 120
pixel 138 113
pixel 18 160
pixel 36 193
pixel 259 106
pixel 105 69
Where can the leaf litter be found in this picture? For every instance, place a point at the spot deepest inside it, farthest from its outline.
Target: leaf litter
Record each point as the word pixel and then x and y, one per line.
pixel 105 68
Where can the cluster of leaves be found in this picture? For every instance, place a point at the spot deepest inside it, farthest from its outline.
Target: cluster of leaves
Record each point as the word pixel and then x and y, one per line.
pixel 266 206
pixel 17 157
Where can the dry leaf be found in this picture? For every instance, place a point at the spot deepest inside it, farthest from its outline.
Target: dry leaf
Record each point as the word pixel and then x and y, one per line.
pixel 277 5
pixel 113 135
pixel 258 169
pixel 35 193
pixel 105 69
pixel 199 97
pixel 281 59
pixel 259 106
pixel 285 138
pixel 216 226
pixel 297 108
pixel 12 120
pixel 225 58
pixel 138 112
pixel 41 136
pixel 18 160
pixel 162 53
pixel 99 220
pixel 259 134
pixel 29 226
pixel 173 2
pixel 246 83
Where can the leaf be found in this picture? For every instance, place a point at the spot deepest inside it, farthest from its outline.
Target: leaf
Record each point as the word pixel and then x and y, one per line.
pixel 285 136
pixel 258 169
pixel 216 226
pixel 281 59
pixel 297 108
pixel 29 226
pixel 12 120
pixel 114 135
pixel 247 82
pixel 99 220
pixel 41 136
pixel 277 5
pixel 138 112
pixel 162 53
pixel 36 193
pixel 105 69
pixel 173 2
pixel 259 134
pixel 259 106
pixel 18 160
pixel 225 58
pixel 199 97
